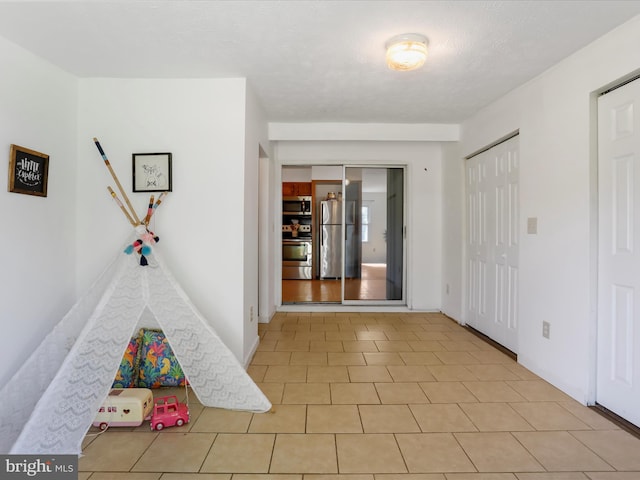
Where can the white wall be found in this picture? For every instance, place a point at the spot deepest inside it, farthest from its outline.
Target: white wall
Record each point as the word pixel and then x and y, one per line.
pixel 201 223
pixel 296 174
pixel 255 141
pixel 453 215
pixel 38 111
pixel 557 267
pixel 424 205
pixel 326 172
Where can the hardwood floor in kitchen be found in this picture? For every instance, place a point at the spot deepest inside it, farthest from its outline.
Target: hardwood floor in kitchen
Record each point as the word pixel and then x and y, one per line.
pixel 371 286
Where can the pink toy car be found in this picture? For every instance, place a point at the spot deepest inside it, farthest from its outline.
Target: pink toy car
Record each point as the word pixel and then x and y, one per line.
pixel 167 412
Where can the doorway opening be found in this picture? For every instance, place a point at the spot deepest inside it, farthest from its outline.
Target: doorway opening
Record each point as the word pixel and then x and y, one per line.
pixel 350 236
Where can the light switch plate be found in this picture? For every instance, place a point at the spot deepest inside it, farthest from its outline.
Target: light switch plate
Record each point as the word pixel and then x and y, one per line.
pixel 532 225
pixel 546 329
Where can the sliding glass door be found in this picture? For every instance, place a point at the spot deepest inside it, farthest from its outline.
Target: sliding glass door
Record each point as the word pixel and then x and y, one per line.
pixel 373 235
pixel 354 231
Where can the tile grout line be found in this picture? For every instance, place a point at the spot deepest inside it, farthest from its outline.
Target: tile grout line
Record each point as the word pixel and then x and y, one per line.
pixel 385 328
pixel 570 432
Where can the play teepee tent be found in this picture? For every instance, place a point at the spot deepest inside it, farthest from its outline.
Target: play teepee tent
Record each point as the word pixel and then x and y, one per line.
pixel 49 404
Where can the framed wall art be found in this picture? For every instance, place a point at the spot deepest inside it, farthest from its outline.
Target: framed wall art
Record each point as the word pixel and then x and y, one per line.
pixel 151 172
pixel 28 171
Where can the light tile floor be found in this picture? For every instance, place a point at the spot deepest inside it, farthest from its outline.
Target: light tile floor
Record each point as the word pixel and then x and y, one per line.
pixel 398 396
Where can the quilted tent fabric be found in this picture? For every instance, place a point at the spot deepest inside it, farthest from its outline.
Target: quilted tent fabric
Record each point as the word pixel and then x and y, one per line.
pixel 76 363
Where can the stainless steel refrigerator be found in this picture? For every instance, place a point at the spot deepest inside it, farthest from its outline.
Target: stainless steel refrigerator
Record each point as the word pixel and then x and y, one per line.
pixel 330 253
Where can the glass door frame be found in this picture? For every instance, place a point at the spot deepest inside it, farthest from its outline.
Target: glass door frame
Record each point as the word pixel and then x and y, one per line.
pixel 376 302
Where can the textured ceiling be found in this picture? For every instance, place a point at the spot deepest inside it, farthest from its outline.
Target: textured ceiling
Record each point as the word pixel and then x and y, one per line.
pixel 319 61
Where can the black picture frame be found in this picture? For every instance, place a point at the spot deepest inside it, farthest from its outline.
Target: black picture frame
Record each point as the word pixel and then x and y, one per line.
pixel 28 171
pixel 152 172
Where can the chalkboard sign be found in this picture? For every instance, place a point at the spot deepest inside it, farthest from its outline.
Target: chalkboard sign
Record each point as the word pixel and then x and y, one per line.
pixel 28 171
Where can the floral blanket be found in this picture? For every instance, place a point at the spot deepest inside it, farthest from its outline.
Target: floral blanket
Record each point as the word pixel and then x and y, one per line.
pixel 149 362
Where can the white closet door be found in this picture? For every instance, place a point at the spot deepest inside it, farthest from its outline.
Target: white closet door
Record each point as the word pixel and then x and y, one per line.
pixel 618 375
pixel 477 248
pixel 492 242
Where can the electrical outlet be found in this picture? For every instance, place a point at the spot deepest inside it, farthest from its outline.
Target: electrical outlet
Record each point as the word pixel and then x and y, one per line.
pixel 251 313
pixel 546 329
pixel 532 225
pixel 447 289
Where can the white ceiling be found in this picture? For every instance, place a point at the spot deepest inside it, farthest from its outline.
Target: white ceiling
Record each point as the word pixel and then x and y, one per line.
pixel 319 61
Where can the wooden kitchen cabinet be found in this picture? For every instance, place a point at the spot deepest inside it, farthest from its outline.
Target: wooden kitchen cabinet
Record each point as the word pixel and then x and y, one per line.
pixel 296 189
pixel 288 189
pixel 304 189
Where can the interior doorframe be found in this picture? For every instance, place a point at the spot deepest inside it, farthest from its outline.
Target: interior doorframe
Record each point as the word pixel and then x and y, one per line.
pixel 593 248
pixel 277 239
pixel 266 263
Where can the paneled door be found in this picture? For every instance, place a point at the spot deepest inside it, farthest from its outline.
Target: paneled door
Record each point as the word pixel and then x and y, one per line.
pixel 618 373
pixel 492 242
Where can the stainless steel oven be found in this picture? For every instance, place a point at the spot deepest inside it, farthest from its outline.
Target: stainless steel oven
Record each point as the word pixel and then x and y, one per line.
pixel 296 259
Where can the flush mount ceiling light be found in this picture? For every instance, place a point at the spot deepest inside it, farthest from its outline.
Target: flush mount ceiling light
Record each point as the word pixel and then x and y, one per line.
pixel 406 52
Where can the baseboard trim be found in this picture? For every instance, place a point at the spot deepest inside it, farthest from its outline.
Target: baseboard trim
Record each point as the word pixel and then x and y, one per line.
pixel 617 419
pixel 493 343
pixel 599 409
pixel 254 348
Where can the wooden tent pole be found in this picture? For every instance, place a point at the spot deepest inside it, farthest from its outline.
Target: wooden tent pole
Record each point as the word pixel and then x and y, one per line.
pixel 159 201
pixel 147 219
pixel 119 203
pixel 115 179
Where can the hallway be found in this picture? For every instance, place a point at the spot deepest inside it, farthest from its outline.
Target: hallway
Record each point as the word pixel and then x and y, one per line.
pixel 398 396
